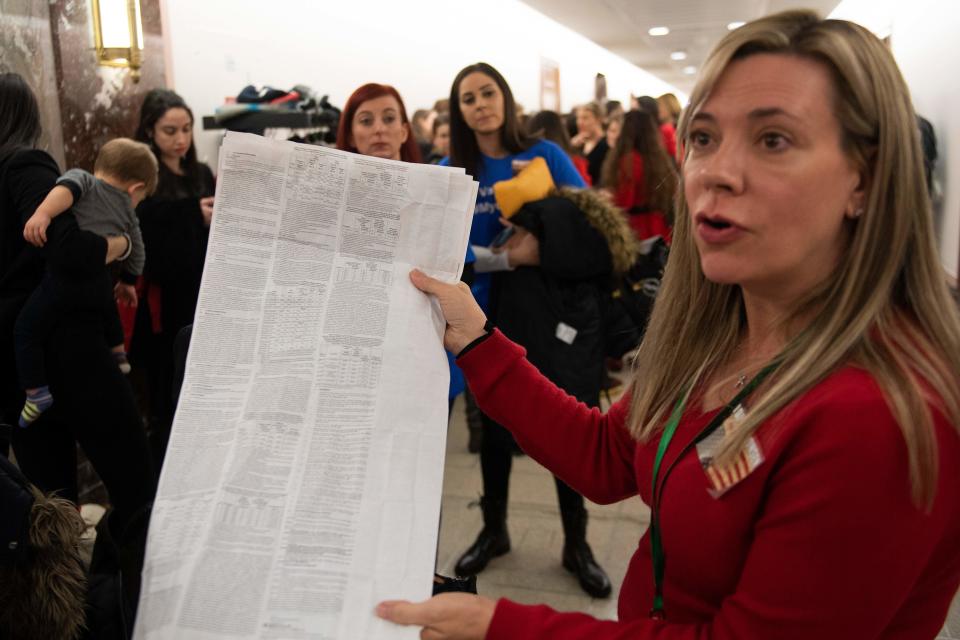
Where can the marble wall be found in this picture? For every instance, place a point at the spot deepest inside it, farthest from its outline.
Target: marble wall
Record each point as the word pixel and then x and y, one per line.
pixel 99 103
pixel 50 42
pixel 82 105
pixel 26 47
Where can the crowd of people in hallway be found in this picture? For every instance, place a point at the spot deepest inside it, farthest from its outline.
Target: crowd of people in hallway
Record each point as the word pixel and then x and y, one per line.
pixel 797 382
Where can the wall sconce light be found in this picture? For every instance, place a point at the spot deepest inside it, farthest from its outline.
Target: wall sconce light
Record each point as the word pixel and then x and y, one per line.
pixel 118 34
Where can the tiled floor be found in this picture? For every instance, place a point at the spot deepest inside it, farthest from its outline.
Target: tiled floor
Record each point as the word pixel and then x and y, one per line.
pixel 531 572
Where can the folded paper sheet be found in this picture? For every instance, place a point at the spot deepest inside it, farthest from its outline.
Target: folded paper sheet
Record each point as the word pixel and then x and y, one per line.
pixel 303 477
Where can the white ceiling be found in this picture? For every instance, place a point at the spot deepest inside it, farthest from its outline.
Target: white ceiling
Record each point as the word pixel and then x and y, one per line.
pixel 695 26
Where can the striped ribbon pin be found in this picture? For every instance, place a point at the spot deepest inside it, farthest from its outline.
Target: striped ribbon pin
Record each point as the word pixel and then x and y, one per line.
pixel 722 478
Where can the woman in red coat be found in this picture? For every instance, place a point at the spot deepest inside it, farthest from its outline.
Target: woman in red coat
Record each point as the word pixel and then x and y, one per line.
pixel 641 177
pixel 794 423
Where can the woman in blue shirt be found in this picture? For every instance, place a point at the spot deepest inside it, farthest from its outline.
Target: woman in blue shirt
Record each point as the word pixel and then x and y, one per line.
pixel 486 139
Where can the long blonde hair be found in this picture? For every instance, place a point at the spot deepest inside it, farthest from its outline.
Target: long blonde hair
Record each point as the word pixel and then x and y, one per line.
pixel 672 105
pixel 887 308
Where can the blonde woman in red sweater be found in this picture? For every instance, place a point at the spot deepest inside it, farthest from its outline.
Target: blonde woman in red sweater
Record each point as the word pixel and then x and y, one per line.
pixel 794 422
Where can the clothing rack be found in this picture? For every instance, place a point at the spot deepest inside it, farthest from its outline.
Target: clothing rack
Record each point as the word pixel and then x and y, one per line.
pixel 259 121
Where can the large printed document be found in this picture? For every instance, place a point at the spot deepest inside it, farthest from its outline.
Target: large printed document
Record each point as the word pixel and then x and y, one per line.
pixel 303 477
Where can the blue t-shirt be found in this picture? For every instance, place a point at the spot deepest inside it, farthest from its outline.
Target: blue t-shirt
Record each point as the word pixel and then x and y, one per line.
pixel 486 215
pixel 457 382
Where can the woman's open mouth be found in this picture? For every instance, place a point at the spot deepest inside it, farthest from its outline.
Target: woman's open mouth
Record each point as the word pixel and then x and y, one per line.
pixel 716 229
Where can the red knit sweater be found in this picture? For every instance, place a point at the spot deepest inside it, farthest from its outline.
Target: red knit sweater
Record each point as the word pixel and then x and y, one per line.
pixel 632 192
pixel 820 541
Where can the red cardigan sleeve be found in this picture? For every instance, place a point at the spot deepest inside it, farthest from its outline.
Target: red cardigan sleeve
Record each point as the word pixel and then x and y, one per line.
pixel 590 451
pixel 669 139
pixel 583 168
pixel 838 546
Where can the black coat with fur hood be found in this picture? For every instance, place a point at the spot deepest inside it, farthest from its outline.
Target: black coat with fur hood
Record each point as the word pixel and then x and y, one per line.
pixel 556 310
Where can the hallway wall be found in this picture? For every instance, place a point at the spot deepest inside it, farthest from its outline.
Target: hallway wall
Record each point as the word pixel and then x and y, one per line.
pixel 924 40
pixel 218 46
pixel 26 48
pixel 82 104
pixel 99 103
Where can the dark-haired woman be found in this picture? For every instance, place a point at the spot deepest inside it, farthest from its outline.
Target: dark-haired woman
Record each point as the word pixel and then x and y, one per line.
pixel 486 139
pixel 175 222
pixel 549 126
pixel 641 177
pixel 668 131
pixel 95 404
pixel 441 139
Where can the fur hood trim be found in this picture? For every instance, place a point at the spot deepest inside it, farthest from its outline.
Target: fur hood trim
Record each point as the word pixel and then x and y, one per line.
pixel 45 596
pixel 610 221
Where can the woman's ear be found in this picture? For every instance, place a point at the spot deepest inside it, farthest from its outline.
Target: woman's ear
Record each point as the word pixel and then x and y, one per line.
pixel 858 198
pixel 406 132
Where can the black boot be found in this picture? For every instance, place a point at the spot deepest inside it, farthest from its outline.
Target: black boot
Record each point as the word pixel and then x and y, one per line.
pixel 476 439
pixel 492 542
pixel 577 556
pixel 474 423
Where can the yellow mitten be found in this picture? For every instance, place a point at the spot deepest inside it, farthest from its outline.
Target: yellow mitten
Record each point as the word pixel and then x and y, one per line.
pixel 532 183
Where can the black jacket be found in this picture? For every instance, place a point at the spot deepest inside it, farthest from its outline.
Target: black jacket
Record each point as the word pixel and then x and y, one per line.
pixel 555 310
pixel 595 161
pixel 26 178
pixel 175 240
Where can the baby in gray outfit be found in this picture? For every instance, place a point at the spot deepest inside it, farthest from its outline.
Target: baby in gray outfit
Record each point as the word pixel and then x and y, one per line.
pixel 125 173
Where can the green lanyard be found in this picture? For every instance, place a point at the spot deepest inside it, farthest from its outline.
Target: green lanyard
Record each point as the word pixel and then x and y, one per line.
pixel 656 539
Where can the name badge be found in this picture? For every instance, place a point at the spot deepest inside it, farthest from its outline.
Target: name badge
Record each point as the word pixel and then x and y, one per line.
pixel 566 333
pixel 722 478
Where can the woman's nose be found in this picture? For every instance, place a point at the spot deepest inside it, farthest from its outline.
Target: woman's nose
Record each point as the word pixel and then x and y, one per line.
pixel 723 169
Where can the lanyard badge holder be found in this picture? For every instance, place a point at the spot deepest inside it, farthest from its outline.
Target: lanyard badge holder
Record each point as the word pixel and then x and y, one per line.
pixel 656 540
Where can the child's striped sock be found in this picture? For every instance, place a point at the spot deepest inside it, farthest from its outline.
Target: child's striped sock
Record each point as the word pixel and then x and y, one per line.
pixel 37 402
pixel 120 357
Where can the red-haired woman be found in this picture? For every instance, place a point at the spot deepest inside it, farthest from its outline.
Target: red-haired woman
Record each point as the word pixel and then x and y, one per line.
pixel 374 123
pixel 641 177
